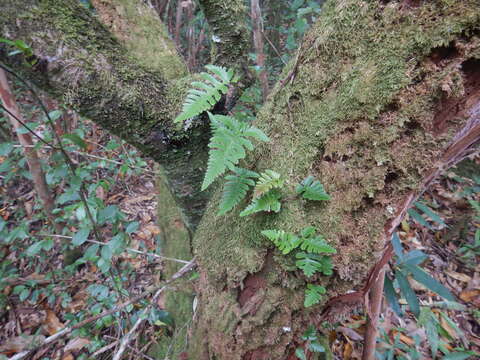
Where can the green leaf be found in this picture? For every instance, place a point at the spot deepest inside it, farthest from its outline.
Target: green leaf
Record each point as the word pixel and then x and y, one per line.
pixel 6 148
pixel 300 353
pixel 106 253
pixel 315 346
pixel 132 227
pixel 313 294
pixel 425 279
pixel 268 202
pixel 310 334
pixel 408 292
pixel 312 263
pixel 77 140
pixel 55 114
pixel 460 355
pixel 415 257
pixel 35 248
pixel 227 147
pixel 206 93
pixel 397 246
pixel 24 294
pixel 312 189
pixel 430 213
pixel 31 127
pixel 286 242
pixel 317 244
pixel 235 189
pixel 268 180
pixel 391 296
pixel 80 236
pixel 418 218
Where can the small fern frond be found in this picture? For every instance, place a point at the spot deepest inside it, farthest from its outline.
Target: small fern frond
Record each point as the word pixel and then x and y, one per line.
pixel 315 244
pixel 205 94
pixel 236 188
pixel 312 189
pixel 227 146
pixel 268 180
pixel 313 294
pixel 284 241
pixel 267 202
pixel 312 263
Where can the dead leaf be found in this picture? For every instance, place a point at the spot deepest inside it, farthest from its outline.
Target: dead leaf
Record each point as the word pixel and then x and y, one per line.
pixel 471 296
pixel 19 343
pixel 458 276
pixel 76 344
pixel 52 324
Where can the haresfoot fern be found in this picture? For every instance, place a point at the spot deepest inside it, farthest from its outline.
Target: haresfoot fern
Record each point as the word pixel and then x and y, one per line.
pixel 205 94
pixel 268 180
pixel 267 202
pixel 284 241
pixel 235 188
pixel 313 294
pixel 312 189
pixel 227 145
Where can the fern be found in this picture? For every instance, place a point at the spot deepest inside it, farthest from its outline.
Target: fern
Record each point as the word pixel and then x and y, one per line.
pixel 315 244
pixel 227 145
pixel 312 263
pixel 268 180
pixel 235 189
pixel 313 294
pixel 284 241
pixel 205 94
pixel 312 189
pixel 267 202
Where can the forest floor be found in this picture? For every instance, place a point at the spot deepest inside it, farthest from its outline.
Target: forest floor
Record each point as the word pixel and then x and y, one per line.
pixel 39 294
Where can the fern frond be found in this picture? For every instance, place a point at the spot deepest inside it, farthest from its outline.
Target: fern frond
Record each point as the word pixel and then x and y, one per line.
pixel 316 244
pixel 227 146
pixel 313 294
pixel 312 189
pixel 268 180
pixel 312 263
pixel 235 189
pixel 205 94
pixel 267 202
pixel 284 241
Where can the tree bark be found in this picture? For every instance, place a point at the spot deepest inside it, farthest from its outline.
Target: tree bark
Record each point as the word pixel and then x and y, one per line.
pixel 372 104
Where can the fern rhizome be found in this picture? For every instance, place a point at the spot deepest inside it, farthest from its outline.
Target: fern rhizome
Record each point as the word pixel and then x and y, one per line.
pixel 230 141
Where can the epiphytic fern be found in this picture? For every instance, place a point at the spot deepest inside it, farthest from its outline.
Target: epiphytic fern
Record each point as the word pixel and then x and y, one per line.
pixel 227 145
pixel 235 188
pixel 312 263
pixel 285 241
pixel 267 202
pixel 268 180
pixel 312 189
pixel 315 244
pixel 205 94
pixel 313 294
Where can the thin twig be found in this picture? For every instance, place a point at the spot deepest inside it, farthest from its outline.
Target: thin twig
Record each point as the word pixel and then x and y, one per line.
pixel 68 330
pixel 128 249
pixel 127 338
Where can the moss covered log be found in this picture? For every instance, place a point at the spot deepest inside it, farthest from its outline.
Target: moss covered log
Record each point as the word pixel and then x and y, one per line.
pixel 379 92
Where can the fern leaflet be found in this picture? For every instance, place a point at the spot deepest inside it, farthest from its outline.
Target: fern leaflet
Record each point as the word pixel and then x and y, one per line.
pixel 235 189
pixel 267 202
pixel 317 244
pixel 227 145
pixel 312 263
pixel 312 189
pixel 313 294
pixel 268 180
pixel 285 241
pixel 205 94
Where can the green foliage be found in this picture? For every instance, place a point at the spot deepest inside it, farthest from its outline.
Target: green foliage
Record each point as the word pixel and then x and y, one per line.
pixel 428 212
pixel 313 263
pixel 284 241
pixel 267 202
pixel 227 145
pixel 315 243
pixel 312 189
pixel 206 93
pixel 236 188
pixel 313 294
pixel 268 180
pixel 312 343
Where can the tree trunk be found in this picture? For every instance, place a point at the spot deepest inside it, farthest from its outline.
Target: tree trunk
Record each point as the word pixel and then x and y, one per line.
pixel 381 95
pixel 377 96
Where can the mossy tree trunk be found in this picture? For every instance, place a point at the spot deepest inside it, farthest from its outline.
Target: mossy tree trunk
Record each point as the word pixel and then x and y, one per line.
pixel 374 104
